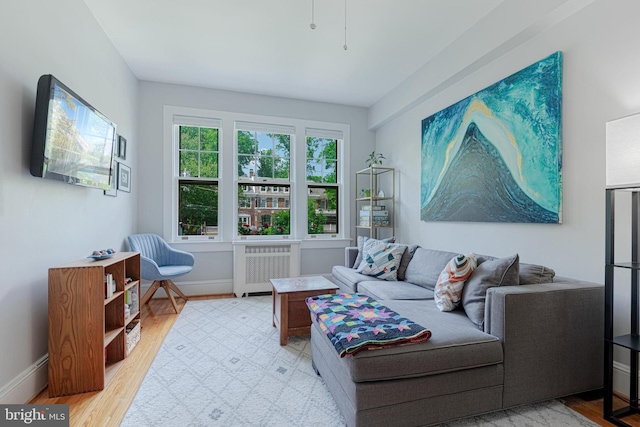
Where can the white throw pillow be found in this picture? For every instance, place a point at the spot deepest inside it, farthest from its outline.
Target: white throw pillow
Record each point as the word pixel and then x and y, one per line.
pixel 448 291
pixel 361 240
pixel 380 259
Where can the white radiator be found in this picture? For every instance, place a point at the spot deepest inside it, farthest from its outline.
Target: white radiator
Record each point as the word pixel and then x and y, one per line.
pixel 255 263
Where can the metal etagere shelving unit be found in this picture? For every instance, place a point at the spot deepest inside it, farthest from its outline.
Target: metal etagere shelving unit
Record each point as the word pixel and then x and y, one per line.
pixel 630 341
pixel 375 202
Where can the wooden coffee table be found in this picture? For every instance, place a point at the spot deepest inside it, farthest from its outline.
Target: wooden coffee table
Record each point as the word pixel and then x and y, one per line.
pixel 290 312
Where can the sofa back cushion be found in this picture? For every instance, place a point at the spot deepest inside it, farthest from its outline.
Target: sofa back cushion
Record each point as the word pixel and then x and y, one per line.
pixel 426 265
pixel 498 272
pixel 533 274
pixel 406 259
pixel 530 274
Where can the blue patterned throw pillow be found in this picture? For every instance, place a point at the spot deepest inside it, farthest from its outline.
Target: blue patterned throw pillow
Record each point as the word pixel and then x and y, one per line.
pixel 381 260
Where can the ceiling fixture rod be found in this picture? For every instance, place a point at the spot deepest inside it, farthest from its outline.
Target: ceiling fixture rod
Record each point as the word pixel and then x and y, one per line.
pixel 345 25
pixel 313 21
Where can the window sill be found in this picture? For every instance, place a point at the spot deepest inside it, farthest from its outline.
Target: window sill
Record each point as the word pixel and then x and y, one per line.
pixel 219 246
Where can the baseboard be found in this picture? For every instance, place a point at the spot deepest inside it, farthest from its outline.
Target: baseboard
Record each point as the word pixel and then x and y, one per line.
pixel 205 287
pixel 27 385
pixel 621 379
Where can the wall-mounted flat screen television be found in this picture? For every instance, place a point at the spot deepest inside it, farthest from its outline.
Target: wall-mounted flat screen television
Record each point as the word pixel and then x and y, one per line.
pixel 72 141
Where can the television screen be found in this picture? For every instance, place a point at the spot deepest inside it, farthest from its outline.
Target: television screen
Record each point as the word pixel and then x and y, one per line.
pixel 72 141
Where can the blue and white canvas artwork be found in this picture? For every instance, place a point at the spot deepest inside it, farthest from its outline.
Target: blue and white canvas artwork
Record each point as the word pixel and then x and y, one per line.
pixel 496 156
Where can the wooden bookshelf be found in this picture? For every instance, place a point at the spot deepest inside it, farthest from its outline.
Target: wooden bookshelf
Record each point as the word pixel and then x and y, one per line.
pixel 87 327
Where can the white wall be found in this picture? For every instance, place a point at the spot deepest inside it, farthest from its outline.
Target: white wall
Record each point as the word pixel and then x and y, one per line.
pixel 601 82
pixel 213 271
pixel 45 223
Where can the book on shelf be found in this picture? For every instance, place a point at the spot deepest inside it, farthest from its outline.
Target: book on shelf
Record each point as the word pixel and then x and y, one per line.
pixel 377 221
pixel 366 214
pixel 373 208
pixel 109 285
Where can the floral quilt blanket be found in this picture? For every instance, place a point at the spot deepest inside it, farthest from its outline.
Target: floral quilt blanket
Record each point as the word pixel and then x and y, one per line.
pixel 356 322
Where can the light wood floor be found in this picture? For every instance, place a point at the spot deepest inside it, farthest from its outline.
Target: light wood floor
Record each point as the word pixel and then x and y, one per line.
pixel 108 407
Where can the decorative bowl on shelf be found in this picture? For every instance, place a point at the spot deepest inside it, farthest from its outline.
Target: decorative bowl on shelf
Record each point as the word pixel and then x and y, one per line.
pixel 103 254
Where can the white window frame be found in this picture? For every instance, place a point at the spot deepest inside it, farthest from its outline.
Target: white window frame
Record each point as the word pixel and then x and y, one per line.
pixel 195 121
pixel 228 180
pixel 244 217
pixel 339 136
pixel 267 184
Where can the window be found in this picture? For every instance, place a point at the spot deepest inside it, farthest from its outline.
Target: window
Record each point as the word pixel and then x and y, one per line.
pixel 322 182
pixel 197 180
pixel 264 155
pixel 258 177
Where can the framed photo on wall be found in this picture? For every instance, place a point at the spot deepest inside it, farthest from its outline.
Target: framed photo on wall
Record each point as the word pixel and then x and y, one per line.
pixel 124 177
pixel 122 147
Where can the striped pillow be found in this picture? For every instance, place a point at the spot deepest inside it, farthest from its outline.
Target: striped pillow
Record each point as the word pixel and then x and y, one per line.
pixel 448 291
pixel 381 260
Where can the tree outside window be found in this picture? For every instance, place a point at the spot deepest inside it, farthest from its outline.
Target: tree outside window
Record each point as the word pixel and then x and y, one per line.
pixel 322 191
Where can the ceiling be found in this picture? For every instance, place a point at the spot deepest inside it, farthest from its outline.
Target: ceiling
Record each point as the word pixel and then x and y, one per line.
pixel 267 46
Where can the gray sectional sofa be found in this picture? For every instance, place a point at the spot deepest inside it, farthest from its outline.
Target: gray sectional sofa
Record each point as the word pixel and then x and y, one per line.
pixel 537 341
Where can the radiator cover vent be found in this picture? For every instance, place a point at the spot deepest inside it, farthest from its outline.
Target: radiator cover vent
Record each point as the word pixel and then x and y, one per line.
pixel 255 263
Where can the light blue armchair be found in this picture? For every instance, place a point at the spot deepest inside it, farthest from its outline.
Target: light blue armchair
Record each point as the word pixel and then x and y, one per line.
pixel 161 263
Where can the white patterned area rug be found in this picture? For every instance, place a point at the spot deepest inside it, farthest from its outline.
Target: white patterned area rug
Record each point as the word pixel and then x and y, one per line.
pixel 222 365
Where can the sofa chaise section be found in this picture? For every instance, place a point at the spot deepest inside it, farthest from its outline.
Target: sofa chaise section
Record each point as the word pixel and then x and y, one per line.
pixel 399 385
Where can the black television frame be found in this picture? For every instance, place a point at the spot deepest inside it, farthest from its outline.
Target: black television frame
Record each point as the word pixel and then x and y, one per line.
pixel 44 96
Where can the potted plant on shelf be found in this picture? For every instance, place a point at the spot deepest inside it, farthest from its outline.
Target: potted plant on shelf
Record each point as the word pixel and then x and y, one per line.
pixel 374 159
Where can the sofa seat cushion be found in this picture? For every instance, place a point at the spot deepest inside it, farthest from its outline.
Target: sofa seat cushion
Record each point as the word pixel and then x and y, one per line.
pixel 393 290
pixel 348 278
pixel 455 344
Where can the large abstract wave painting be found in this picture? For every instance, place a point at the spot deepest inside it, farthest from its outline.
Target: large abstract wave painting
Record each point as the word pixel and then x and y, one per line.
pixel 496 156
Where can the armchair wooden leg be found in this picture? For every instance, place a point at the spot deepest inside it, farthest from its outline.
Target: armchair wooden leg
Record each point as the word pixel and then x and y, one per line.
pixel 167 289
pixel 168 286
pixel 152 290
pixel 177 290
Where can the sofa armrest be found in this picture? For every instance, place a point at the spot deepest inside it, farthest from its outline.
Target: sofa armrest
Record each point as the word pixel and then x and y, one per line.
pixel 350 255
pixel 552 336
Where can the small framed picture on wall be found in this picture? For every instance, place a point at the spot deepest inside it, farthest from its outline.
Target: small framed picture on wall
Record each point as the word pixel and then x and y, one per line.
pixel 122 147
pixel 124 177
